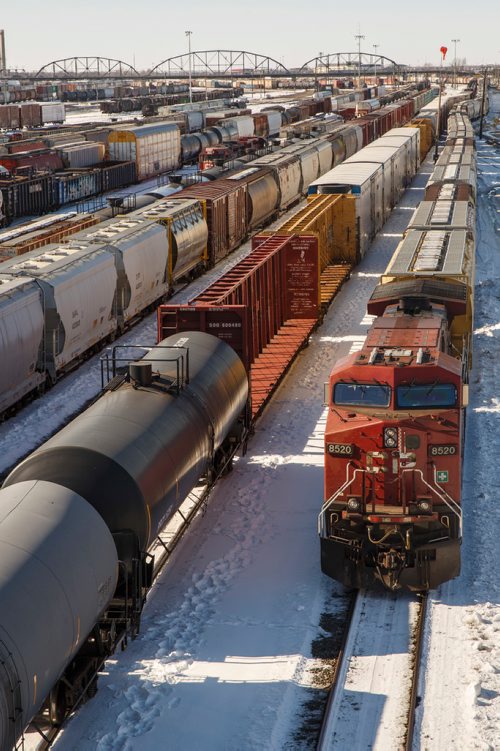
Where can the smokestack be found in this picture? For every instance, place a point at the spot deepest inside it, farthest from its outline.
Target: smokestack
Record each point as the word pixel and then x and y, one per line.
pixel 3 62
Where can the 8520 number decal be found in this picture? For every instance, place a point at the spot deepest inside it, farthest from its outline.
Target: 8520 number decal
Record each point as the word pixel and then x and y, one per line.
pixel 446 449
pixel 340 449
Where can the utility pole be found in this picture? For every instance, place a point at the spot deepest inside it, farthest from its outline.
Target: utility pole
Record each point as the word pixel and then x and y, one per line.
pixel 375 47
pixel 455 62
pixel 188 34
pixel 359 37
pixel 3 67
pixel 438 125
pixel 3 63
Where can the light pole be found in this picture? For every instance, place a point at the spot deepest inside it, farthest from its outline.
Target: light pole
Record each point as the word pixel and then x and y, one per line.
pixel 359 37
pixel 318 65
pixel 443 51
pixel 375 47
pixel 455 61
pixel 188 34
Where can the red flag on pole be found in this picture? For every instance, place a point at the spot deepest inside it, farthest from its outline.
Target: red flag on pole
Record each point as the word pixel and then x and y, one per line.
pixel 443 51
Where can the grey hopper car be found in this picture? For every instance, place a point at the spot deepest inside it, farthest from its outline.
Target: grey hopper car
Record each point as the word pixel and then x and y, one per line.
pixel 140 249
pixel 21 335
pixel 78 286
pixel 262 195
pixel 186 231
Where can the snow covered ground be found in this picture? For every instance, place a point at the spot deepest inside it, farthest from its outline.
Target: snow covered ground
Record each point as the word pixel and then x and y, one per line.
pixel 224 659
pixel 461 708
pixel 371 711
pixel 226 656
pixel 85 112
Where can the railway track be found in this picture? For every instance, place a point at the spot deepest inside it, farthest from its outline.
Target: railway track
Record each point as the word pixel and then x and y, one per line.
pixel 161 549
pixel 339 674
pixel 357 619
pixel 417 660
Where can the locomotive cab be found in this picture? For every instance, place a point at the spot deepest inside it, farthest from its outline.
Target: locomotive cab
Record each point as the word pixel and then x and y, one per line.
pixel 393 455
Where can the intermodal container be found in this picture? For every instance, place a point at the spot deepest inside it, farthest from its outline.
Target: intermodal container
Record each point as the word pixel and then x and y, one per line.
pixel 82 155
pixel 53 113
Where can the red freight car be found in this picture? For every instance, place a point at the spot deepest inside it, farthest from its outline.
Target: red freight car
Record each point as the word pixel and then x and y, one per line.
pixel 31 115
pixel 227 216
pixel 265 307
pixel 36 161
pixel 9 116
pixel 18 146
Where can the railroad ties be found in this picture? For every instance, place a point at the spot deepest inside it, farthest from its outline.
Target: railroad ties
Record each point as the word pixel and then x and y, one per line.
pixel 331 280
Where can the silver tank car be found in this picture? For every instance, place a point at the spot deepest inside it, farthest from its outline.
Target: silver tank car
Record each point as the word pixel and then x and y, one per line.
pixel 139 450
pixel 133 457
pixel 58 572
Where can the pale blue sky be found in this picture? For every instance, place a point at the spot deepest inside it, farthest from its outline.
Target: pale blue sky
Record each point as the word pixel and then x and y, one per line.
pixel 292 31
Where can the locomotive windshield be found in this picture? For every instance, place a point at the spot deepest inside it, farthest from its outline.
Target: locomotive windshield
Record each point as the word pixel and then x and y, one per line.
pixel 420 395
pixel 362 394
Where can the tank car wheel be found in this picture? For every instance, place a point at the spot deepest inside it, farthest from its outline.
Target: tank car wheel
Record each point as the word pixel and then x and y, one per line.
pixel 57 705
pixel 92 689
pixel 228 468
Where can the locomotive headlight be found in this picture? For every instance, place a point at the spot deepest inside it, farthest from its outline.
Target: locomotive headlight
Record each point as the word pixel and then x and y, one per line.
pixel 353 504
pixel 390 438
pixel 424 506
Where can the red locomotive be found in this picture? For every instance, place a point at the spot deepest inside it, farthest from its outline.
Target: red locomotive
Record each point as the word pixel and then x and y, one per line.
pixel 395 428
pixel 393 452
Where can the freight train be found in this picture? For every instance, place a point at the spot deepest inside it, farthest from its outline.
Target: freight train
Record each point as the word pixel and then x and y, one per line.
pixel 77 518
pixel 38 183
pixel 221 215
pixel 79 514
pixel 76 295
pixel 394 435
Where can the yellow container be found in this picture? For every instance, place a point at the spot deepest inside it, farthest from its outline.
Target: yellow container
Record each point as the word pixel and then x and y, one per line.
pixel 332 218
pixel 426 135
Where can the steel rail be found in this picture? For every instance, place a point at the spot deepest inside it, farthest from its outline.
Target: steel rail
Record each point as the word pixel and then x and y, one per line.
pixel 339 675
pixel 336 692
pixel 417 660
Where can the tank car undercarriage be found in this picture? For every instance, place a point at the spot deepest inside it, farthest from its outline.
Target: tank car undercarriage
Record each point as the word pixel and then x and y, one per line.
pixel 416 557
